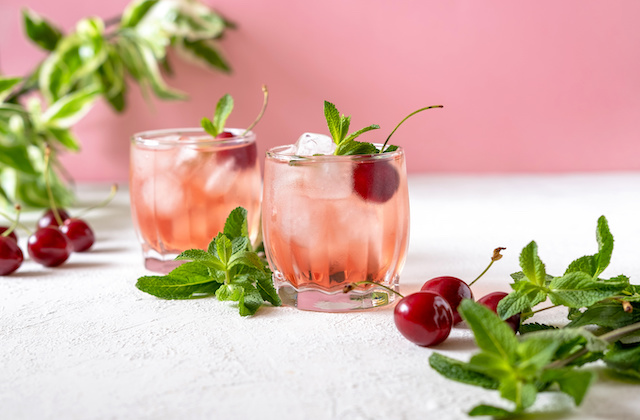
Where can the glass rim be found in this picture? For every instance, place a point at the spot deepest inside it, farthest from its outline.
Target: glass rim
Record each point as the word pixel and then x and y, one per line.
pixel 197 136
pixel 277 153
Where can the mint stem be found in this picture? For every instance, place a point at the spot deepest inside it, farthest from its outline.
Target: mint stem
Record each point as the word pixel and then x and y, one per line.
pixel 406 118
pixel 349 287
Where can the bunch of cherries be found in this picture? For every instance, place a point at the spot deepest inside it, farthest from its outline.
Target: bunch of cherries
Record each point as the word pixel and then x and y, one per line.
pixel 427 317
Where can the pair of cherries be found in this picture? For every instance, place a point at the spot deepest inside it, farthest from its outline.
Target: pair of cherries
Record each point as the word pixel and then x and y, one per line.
pixel 427 317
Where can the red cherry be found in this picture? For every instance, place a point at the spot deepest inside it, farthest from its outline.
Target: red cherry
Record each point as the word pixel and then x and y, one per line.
pixel 48 218
pixel 10 255
pixel 375 181
pixel 79 233
pixel 452 289
pixel 49 247
pixel 12 235
pixel 243 157
pixel 424 318
pixel 491 301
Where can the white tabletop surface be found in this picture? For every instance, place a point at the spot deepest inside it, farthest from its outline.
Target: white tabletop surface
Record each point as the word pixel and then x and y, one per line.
pixel 81 342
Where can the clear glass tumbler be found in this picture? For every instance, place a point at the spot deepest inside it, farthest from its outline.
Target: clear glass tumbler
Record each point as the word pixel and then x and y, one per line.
pixel 331 221
pixel 183 184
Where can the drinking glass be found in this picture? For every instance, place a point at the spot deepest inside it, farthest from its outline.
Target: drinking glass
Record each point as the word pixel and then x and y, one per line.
pixel 332 221
pixel 183 184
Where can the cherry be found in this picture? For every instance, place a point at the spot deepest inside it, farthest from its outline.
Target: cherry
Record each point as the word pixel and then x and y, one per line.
pixel 11 235
pixel 49 247
pixel 423 318
pixel 225 135
pixel 452 289
pixel 375 181
pixel 10 255
pixel 491 301
pixel 79 234
pixel 49 218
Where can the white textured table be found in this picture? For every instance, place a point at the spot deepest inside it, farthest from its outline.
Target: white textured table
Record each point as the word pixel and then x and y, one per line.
pixel 81 342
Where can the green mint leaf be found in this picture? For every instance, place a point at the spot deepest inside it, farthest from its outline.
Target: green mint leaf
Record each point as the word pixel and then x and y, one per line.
pixel 204 51
pixel 135 11
pixel 533 327
pixel 532 266
pixel 352 147
pixel 334 122
pixel 586 264
pixel 572 382
pixel 534 353
pixel 605 245
pixel 247 258
pixel 223 110
pixel 490 410
pixel 345 122
pixel 41 32
pixel 522 393
pixel 236 224
pixel 266 288
pixel 521 300
pixel 183 282
pixel 207 125
pixel 250 301
pixel 607 315
pixel 493 365
pixel 69 109
pixel 353 136
pixel 624 360
pixel 224 249
pixel 491 333
pixel 6 85
pixel 579 290
pixel 239 244
pixel 390 148
pixel 460 371
pixel 229 292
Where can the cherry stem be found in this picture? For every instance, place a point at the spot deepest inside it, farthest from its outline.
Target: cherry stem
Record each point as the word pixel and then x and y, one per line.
pixel 349 287
pixel 405 119
pixel 112 193
pixel 265 101
pixel 610 337
pixel 495 257
pixel 14 222
pixel 47 182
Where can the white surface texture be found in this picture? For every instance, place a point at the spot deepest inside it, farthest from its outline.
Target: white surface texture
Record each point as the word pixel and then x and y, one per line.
pixel 81 342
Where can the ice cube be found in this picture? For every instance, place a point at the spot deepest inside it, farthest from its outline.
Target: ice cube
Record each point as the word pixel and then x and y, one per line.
pixel 328 180
pixel 164 194
pixel 310 144
pixel 220 176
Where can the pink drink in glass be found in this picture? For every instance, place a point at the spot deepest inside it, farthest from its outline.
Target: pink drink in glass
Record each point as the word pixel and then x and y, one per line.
pixel 330 221
pixel 184 183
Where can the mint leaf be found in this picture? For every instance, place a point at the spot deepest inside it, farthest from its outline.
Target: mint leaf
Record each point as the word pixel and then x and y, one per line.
pixel 572 382
pixel 489 410
pixel 334 122
pixel 266 288
pixel 223 110
pixel 523 394
pixel 493 365
pixel 247 258
pixel 250 301
pixel 534 353
pixel 586 264
pixel 181 283
pixel 41 32
pixel 491 333
pixel 224 249
pixel 352 147
pixel 533 327
pixel 207 125
pixel 236 224
pixel 353 136
pixel 607 315
pixel 532 266
pixel 521 300
pixel 231 292
pixel 579 290
pixel 461 372
pixel 624 360
pixel 605 245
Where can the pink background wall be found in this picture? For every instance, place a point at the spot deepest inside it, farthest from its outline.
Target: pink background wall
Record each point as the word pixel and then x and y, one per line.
pixel 546 86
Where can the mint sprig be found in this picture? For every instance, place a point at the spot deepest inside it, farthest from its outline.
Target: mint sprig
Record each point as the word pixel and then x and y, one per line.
pixel 545 357
pixel 229 269
pixel 224 107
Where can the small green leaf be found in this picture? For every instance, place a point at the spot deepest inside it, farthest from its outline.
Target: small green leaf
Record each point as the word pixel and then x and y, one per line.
pixel 522 393
pixel 40 31
pixel 533 327
pixel 250 301
pixel 267 290
pixel 607 315
pixel 229 292
pixel 68 110
pixel 236 224
pixel 585 264
pixel 491 333
pixel 6 85
pixel 181 283
pixel 334 122
pixel 605 246
pixel 207 125
pixel 572 382
pixel 579 290
pixel 249 259
pixel 493 365
pixel 624 359
pixel 65 138
pixel 353 136
pixel 224 249
pixel 204 51
pixel 223 110
pixel 460 371
pixel 240 244
pixel 352 147
pixel 531 265
pixel 135 11
pixel 534 353
pixel 489 410
pixel 521 300
pixel 17 157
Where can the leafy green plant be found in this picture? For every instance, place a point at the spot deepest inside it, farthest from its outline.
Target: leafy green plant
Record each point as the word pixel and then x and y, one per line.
pixel 99 58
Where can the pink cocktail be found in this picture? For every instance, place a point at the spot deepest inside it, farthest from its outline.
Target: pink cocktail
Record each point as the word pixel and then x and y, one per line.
pixel 184 183
pixel 330 221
